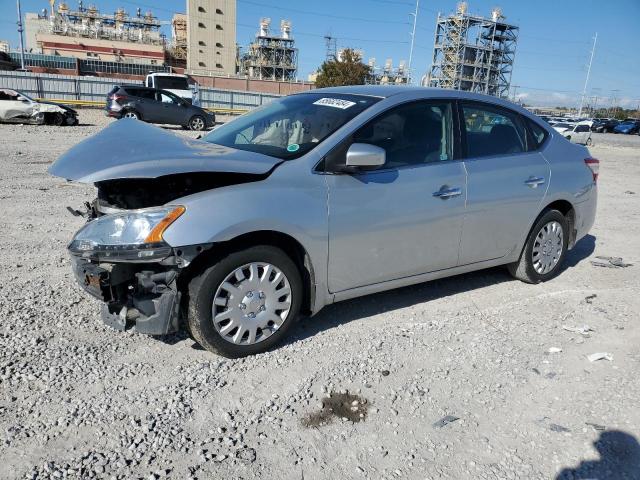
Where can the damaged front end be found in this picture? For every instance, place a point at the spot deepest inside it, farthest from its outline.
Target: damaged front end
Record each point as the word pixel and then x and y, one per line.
pixel 122 260
pixel 141 173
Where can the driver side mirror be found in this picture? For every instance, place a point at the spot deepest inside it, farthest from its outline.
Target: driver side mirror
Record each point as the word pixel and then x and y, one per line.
pixel 23 99
pixel 365 156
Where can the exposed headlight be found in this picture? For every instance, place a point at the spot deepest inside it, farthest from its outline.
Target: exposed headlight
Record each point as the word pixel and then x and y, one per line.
pixel 130 236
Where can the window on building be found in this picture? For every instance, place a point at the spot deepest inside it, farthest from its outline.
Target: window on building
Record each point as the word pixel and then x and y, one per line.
pixel 219 65
pixel 218 11
pixel 219 45
pixel 201 64
pixel 219 27
pixel 201 25
pixel 201 9
pixel 202 44
pixel 218 53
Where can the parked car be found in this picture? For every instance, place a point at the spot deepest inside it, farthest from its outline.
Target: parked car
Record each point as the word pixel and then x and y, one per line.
pixel 605 125
pixel 580 133
pixel 18 107
pixel 316 198
pixel 156 106
pixel 627 127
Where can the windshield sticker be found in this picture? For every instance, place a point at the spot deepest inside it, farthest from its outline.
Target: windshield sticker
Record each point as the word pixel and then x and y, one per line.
pixel 335 102
pixel 293 147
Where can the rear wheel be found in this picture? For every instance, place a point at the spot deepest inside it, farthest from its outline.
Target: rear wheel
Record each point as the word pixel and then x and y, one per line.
pixel 245 303
pixel 589 142
pixel 545 249
pixel 131 114
pixel 197 123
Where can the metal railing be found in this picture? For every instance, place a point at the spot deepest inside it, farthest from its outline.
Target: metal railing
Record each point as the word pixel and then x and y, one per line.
pixel 92 91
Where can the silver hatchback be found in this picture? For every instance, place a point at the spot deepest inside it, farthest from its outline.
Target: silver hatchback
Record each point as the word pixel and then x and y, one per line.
pixel 315 198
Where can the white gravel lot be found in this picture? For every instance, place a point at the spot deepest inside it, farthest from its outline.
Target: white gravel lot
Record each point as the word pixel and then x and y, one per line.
pixel 79 400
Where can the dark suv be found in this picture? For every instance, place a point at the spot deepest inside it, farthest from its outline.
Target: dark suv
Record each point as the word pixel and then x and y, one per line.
pixel 156 106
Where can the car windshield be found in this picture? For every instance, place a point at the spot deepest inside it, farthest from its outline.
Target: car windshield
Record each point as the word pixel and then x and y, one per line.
pixel 289 127
pixel 8 94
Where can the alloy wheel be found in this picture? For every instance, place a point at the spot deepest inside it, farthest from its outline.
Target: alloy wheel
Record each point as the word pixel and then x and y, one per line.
pixel 130 115
pixel 197 124
pixel 251 303
pixel 547 247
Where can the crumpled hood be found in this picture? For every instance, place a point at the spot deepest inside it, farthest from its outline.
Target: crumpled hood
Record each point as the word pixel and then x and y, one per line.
pixel 130 148
pixel 64 107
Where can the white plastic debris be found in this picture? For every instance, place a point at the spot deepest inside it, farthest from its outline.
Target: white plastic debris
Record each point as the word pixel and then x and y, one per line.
pixel 555 350
pixel 594 357
pixel 583 330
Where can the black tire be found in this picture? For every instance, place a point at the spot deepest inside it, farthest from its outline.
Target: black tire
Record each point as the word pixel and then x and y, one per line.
pixel 197 123
pixel 57 119
pixel 202 289
pixel 524 268
pixel 130 114
pixel 589 142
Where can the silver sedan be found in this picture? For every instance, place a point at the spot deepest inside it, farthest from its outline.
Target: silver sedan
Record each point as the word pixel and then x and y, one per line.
pixel 320 197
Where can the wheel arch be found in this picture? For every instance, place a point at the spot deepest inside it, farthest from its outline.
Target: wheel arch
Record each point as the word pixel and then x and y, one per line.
pixel 291 246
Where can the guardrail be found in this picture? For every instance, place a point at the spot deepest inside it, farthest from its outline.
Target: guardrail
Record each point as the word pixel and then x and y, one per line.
pixel 91 103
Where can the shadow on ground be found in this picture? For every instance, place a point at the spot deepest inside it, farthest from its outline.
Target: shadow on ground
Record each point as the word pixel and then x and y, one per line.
pixel 344 312
pixel 619 459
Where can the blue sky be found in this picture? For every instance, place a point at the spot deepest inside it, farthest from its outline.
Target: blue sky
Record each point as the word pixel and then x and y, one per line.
pixel 552 54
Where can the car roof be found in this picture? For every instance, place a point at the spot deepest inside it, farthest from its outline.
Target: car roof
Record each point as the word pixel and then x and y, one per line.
pixel 386 91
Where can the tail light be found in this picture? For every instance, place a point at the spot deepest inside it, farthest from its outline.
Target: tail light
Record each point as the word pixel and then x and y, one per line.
pixel 117 98
pixel 594 166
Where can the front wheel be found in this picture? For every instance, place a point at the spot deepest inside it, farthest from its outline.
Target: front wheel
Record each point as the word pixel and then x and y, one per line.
pixel 197 123
pixel 545 249
pixel 245 303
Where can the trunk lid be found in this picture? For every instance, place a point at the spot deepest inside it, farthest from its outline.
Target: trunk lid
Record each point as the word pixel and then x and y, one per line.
pixel 133 149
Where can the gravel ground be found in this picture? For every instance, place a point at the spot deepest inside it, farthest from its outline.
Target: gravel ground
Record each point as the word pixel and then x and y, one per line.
pixel 458 378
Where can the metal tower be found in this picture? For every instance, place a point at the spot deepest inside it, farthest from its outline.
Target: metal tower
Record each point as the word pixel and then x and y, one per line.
pixel 473 53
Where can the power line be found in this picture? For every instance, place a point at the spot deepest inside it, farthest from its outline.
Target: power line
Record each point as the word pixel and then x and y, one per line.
pixel 319 14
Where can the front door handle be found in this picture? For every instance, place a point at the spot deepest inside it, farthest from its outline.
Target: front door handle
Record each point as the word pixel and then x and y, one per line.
pixel 533 182
pixel 447 192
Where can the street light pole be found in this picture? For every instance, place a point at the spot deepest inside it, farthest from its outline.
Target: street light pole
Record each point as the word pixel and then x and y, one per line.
pixel 413 36
pixel 20 30
pixel 584 90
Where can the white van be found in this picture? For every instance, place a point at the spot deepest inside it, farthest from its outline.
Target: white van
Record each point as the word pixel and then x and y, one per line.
pixel 174 83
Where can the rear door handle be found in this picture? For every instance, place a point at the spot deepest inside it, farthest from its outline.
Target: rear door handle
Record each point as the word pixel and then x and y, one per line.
pixel 533 182
pixel 447 192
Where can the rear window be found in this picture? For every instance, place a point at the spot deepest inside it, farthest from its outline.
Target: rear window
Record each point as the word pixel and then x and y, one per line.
pixel 141 92
pixel 538 134
pixel 172 83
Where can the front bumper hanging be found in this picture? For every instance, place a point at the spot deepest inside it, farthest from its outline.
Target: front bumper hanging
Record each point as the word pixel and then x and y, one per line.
pixel 147 301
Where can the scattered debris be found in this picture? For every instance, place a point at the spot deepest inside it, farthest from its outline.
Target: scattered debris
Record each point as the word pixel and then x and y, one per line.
pixel 536 371
pixel 629 192
pixel 385 373
pixel 596 426
pixel 583 330
pixel 594 357
pixel 445 421
pixel 589 298
pixel 550 375
pixel 555 350
pixel 554 427
pixel 341 405
pixel 611 262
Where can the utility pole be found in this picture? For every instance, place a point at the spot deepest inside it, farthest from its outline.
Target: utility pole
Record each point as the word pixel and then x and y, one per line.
pixel 413 36
pixel 584 90
pixel 20 30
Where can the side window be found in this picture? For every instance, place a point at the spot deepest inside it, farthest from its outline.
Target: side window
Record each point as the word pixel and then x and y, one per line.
pixel 411 134
pixel 582 128
pixel 538 133
pixel 148 94
pixel 492 131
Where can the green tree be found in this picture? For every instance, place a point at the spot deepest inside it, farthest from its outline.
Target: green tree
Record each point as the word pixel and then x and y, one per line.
pixel 349 70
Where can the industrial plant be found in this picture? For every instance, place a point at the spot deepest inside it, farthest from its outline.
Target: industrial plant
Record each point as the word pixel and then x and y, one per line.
pixel 270 56
pixel 473 53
